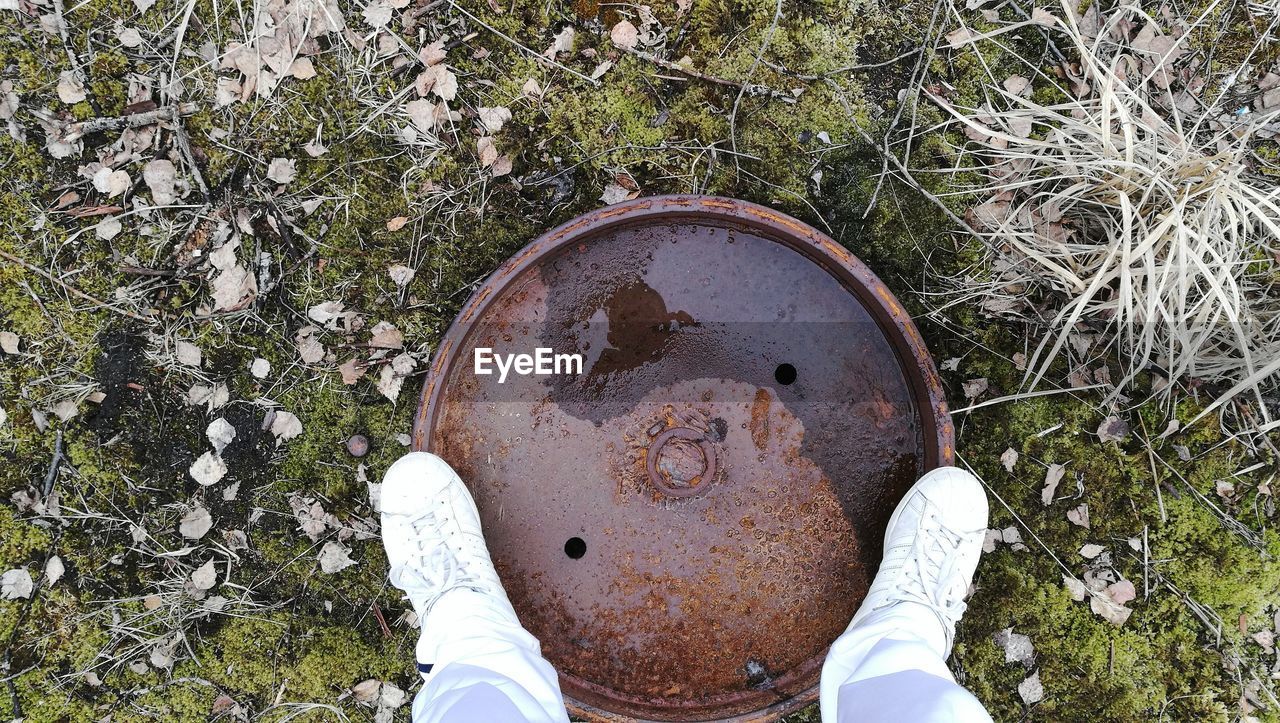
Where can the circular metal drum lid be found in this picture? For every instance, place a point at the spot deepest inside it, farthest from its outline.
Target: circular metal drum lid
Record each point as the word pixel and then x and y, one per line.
pixel 689 522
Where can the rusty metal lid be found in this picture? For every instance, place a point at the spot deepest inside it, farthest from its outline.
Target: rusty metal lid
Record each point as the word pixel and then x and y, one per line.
pixel 688 523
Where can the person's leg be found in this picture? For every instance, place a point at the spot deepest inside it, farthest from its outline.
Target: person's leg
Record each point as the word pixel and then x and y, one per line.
pixel 477 662
pixel 889 664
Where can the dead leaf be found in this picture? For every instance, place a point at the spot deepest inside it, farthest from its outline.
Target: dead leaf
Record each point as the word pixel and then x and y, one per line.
pixel 563 43
pixel 205 576
pixel 1113 429
pixel 1122 592
pixel 310 350
pixel 386 336
pixel 601 69
pixel 234 289
pixel 1017 647
pixel 432 53
pixel 1075 588
pixel 282 170
pixel 487 151
pixel 397 223
pixel 333 557
pixel 624 35
pixel 195 524
pixel 366 691
pixel 54 569
pixel 311 517
pixel 1009 459
pixel 401 275
pixel 9 342
pixel 501 166
pixel 1091 551
pixel 108 228
pixel 615 193
pixel 187 353
pixel 531 89
pixel 260 368
pixel 1108 609
pixel 285 426
pixel 70 89
pixel 220 434
pixel 494 118
pixel 1052 476
pixel 1040 16
pixel 1079 516
pixel 1031 690
pixel 437 79
pixel 161 178
pixel 16 583
pixel 65 410
pixel 975 388
pixel 327 314
pixel 351 372
pixel 377 14
pixel 302 69
pixel 393 375
pixel 1017 85
pixel 960 36
pixel 109 182
pixel 208 468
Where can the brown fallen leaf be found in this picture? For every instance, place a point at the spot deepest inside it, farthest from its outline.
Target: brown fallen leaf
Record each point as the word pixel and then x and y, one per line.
pixel 1052 476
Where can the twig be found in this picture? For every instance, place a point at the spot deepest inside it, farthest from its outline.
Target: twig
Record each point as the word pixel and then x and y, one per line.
pixel 144 271
pixel 532 54
pixel 58 13
pixel 382 622
pixel 52 474
pixel 97 125
pixel 73 290
pixel 754 89
pixel 184 147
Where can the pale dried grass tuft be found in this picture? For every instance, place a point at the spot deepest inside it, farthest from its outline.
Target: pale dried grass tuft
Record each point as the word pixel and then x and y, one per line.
pixel 1131 208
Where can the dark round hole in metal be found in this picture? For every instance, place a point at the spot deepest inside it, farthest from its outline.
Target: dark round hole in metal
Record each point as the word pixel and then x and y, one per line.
pixel 785 374
pixel 575 547
pixel 735 530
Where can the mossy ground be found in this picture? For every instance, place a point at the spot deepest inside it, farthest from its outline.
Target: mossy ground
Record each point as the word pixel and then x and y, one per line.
pixel 301 637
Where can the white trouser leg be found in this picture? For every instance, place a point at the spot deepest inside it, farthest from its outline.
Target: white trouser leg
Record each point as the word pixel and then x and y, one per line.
pixel 887 669
pixel 486 666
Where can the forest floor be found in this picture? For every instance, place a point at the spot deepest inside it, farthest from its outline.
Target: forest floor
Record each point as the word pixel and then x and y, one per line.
pixel 268 213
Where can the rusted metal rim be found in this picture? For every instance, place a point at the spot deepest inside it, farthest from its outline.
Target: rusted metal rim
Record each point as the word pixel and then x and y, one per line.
pixel 681 461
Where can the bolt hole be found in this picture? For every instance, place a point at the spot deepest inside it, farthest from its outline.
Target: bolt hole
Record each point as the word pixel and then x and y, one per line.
pixel 785 374
pixel 575 547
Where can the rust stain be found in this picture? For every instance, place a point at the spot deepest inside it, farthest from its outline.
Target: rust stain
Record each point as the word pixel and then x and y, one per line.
pixel 760 419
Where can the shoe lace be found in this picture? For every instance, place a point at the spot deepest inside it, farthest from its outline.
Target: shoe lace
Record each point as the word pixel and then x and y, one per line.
pixel 933 570
pixel 436 568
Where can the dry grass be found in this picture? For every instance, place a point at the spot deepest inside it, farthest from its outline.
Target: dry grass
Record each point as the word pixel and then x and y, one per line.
pixel 1122 204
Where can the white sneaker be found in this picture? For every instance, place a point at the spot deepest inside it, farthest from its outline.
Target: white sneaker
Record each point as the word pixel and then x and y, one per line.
pixel 431 532
pixel 931 549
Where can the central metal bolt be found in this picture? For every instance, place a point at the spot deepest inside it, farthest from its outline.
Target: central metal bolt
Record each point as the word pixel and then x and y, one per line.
pixel 681 461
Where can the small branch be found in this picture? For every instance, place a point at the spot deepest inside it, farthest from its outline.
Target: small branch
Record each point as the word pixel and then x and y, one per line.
pixel 73 290
pixel 144 271
pixel 52 475
pixel 382 622
pixel 136 120
pixel 184 147
pixel 753 89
